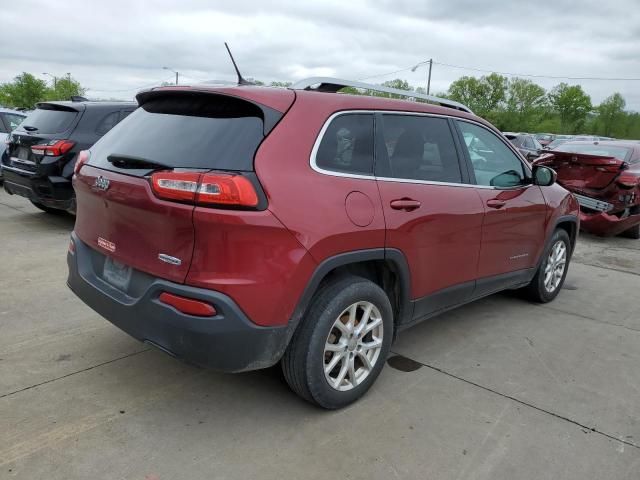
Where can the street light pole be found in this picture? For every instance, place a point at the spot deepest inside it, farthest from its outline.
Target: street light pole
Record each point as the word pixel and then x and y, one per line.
pixel 55 79
pixel 171 70
pixel 430 62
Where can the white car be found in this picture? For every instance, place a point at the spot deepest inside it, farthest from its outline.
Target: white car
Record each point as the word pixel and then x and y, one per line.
pixel 9 120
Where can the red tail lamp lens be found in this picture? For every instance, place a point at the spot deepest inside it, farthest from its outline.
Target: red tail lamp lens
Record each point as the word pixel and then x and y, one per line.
pixel 83 157
pixel 225 189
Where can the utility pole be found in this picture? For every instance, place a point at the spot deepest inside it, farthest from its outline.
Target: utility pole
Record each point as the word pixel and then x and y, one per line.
pixel 172 70
pixel 429 77
pixel 55 79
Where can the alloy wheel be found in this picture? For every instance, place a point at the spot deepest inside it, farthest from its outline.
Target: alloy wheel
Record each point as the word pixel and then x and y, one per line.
pixel 556 264
pixel 353 346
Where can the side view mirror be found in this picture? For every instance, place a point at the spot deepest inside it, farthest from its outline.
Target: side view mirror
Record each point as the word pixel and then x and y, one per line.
pixel 544 176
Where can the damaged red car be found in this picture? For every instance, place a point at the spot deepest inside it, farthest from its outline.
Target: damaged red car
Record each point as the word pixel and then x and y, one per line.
pixel 605 178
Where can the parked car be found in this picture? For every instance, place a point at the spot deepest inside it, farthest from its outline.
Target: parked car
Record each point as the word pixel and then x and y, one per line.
pixel 238 227
pixel 559 140
pixel 41 153
pixel 545 138
pixel 526 143
pixel 9 120
pixel 605 177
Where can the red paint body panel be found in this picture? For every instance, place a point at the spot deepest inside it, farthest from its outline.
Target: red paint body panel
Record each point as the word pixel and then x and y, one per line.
pixel 139 225
pixel 251 257
pixel 512 235
pixel 310 204
pixel 441 238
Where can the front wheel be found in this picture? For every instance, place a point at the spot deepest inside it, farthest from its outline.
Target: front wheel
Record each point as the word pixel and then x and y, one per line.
pixel 342 343
pixel 549 278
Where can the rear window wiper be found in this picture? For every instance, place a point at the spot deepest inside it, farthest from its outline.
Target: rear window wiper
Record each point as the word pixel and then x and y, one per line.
pixel 29 128
pixel 128 161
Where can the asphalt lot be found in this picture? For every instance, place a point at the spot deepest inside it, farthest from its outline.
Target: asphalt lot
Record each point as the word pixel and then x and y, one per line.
pixel 505 389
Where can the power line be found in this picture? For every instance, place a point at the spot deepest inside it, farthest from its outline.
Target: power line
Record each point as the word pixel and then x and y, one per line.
pixel 131 89
pixel 556 77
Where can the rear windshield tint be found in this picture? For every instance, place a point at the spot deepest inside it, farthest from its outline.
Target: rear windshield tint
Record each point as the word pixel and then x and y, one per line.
pixel 49 120
pixel 187 131
pixel 621 153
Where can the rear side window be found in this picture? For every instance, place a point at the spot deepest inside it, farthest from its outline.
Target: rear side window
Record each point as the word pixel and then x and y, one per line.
pixel 108 122
pixel 12 120
pixel 186 131
pixel 347 145
pixel 47 120
pixel 419 148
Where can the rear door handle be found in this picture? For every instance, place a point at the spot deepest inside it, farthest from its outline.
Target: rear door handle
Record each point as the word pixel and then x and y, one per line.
pixel 406 204
pixel 495 203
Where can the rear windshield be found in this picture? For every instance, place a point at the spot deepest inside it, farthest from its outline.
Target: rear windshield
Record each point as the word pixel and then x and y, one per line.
pixel 621 153
pixel 186 131
pixel 49 121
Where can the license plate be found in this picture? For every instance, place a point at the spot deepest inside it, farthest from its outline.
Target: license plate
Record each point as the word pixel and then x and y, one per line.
pixel 116 273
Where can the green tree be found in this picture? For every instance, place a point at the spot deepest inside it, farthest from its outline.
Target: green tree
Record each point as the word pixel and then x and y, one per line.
pixel 25 91
pixel 483 95
pixel 572 104
pixel 281 84
pixel 611 113
pixel 65 88
pixel 525 104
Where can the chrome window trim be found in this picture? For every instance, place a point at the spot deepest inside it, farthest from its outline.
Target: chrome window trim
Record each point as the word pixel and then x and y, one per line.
pixel 325 126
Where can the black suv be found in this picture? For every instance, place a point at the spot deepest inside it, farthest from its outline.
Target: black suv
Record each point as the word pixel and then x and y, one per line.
pixel 41 153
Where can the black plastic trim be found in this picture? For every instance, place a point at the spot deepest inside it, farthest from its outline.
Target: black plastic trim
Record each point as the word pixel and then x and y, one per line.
pixel 228 341
pixel 391 255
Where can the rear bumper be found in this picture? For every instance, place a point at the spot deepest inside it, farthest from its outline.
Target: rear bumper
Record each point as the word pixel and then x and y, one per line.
pixel 227 342
pixel 54 192
pixel 605 224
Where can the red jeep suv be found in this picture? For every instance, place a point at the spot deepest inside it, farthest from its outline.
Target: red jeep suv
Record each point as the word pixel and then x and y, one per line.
pixel 238 227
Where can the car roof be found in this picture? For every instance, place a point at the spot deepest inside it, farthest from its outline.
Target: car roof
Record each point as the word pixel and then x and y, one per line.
pixel 280 99
pixel 634 146
pixel 78 106
pixel 15 112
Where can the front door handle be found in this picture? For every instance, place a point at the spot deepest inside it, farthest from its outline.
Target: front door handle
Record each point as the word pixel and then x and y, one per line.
pixel 406 204
pixel 495 203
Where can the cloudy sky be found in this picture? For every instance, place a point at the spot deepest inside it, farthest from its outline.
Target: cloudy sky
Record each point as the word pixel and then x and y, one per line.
pixel 115 47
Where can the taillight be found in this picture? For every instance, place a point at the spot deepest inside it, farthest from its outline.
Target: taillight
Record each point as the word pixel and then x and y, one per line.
pixel 83 157
pixel 628 180
pixel 53 148
pixel 226 189
pixel 205 188
pixel 189 306
pixel 179 186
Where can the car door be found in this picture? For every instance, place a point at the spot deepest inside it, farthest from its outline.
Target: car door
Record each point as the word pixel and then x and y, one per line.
pixel 432 214
pixel 515 209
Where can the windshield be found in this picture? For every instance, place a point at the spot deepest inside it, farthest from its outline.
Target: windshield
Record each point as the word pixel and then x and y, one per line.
pixel 186 131
pixel 621 153
pixel 49 121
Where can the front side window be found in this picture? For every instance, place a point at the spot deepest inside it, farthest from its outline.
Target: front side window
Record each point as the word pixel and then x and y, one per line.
pixel 494 164
pixel 419 148
pixel 347 145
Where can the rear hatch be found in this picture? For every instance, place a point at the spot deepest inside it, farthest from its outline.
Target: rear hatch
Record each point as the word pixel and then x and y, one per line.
pixel 177 135
pixel 47 129
pixel 583 172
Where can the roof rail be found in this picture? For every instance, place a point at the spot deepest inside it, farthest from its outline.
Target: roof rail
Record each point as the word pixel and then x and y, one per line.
pixel 332 85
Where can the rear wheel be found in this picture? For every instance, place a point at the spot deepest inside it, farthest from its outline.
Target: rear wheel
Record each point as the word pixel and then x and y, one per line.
pixel 44 208
pixel 633 232
pixel 342 343
pixel 549 278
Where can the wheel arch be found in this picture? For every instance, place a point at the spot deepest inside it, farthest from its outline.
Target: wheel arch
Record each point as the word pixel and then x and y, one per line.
pixel 386 267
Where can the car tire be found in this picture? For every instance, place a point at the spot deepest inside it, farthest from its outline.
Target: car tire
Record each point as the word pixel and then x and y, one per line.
pixel 633 232
pixel 328 347
pixel 549 278
pixel 44 208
